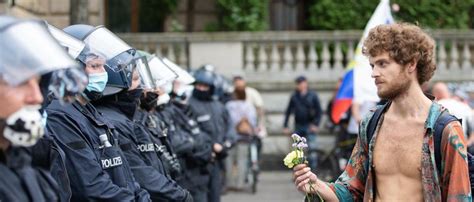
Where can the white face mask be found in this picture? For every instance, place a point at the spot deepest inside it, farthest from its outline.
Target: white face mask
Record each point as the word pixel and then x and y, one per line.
pixel 163 99
pixel 168 87
pixel 184 89
pixel 24 127
pixel 181 90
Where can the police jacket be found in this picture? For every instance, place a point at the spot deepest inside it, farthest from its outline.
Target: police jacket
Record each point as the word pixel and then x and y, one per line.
pixel 97 169
pixel 180 141
pixel 213 118
pixel 140 151
pixel 47 155
pixel 20 181
pixel 196 161
pixel 200 143
pixel 159 136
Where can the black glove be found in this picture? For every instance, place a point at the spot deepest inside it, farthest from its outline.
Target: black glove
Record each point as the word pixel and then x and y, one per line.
pixel 176 166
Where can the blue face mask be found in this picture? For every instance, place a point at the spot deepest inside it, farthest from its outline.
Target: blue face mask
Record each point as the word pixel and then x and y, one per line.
pixel 97 82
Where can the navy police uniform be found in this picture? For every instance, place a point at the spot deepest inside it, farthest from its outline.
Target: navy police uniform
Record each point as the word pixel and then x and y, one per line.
pixel 97 169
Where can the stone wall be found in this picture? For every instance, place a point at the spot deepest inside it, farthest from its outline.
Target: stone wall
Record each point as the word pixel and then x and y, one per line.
pixel 56 12
pixel 3 7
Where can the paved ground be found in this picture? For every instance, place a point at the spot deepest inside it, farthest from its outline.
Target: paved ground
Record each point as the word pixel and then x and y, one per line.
pixel 274 186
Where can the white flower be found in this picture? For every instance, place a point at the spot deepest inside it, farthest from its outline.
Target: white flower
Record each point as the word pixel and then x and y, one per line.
pixel 296 137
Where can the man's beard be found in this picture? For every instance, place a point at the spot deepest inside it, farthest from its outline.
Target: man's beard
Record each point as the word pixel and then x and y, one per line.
pixel 400 86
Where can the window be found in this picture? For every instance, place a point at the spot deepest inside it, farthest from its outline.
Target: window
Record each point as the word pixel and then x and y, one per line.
pixel 286 14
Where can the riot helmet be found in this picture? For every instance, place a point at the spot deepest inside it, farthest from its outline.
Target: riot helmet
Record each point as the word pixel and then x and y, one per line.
pixel 19 55
pixel 20 62
pixel 182 85
pixel 162 77
pixel 204 85
pixel 119 55
pixel 204 76
pixel 88 57
pixel 182 76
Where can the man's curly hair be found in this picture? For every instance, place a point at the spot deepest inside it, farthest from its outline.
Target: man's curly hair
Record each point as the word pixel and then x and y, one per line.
pixel 405 43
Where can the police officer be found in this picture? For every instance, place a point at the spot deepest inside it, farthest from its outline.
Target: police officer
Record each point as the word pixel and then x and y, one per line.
pixel 159 134
pixel 213 119
pixel 196 157
pixel 161 131
pixel 21 66
pixel 192 146
pixel 95 164
pixel 161 75
pixel 120 108
pixel 47 154
pixel 173 143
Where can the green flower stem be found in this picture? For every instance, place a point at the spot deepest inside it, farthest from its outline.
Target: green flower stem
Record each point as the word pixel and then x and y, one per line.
pixel 301 158
pixel 311 189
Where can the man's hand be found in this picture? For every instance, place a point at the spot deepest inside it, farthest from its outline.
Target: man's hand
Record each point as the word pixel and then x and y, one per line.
pixel 286 131
pixel 313 128
pixel 217 148
pixel 302 175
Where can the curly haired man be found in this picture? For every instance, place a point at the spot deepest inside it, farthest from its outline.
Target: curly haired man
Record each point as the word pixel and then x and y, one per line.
pixel 397 163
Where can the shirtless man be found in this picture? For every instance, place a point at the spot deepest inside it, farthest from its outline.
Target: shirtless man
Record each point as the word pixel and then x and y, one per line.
pixel 396 164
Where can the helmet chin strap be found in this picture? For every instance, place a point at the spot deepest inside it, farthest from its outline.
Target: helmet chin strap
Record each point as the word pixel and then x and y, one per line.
pixel 3 141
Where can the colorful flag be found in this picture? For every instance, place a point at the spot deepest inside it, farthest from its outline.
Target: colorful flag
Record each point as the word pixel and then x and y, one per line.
pixel 357 83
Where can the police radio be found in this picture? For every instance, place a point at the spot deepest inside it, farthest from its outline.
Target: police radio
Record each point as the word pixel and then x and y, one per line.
pixel 104 140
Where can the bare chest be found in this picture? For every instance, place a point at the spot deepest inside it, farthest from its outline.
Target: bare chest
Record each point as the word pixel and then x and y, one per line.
pixel 398 148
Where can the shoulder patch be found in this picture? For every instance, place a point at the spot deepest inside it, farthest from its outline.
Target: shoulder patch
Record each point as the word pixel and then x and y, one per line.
pixel 204 118
pixel 77 145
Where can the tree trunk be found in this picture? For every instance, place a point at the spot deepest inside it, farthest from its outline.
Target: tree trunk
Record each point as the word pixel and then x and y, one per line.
pixel 79 12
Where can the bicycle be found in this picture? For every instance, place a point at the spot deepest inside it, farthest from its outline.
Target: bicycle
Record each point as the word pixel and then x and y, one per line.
pixel 327 164
pixel 330 164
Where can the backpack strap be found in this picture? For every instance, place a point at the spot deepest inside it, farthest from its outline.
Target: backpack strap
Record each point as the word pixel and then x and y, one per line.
pixel 443 120
pixel 372 125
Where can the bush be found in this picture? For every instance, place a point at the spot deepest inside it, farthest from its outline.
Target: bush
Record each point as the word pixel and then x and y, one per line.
pixel 452 14
pixel 344 14
pixel 241 15
pixel 339 14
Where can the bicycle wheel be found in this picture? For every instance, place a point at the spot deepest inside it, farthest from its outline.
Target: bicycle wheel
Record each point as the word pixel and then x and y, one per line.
pixel 254 165
pixel 327 167
pixel 254 183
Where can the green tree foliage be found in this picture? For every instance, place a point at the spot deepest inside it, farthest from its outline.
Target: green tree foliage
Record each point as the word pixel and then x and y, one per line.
pixel 241 15
pixel 340 14
pixel 436 13
pixel 352 14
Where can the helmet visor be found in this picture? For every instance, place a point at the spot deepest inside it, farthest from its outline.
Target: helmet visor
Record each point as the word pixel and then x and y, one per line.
pixel 73 46
pixel 28 49
pixel 146 80
pixel 123 61
pixel 161 73
pixel 118 53
pixel 183 76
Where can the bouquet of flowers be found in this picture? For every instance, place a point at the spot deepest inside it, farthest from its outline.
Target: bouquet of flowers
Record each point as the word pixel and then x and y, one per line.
pixel 296 156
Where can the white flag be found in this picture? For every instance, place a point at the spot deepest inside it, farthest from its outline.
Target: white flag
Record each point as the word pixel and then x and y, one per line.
pixel 364 86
